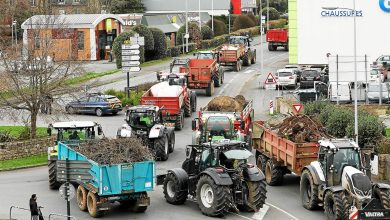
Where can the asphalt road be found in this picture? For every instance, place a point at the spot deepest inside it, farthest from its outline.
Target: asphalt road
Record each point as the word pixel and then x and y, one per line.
pixel 283 202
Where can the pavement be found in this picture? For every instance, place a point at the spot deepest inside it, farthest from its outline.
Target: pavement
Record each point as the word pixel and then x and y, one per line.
pixel 283 202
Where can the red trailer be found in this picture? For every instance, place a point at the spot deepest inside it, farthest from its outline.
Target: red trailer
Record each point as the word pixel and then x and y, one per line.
pixel 276 38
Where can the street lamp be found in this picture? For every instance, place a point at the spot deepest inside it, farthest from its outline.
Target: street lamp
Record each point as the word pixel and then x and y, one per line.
pixel 355 63
pixel 16 32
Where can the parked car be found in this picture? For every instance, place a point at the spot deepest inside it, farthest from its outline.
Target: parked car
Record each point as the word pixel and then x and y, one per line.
pixel 297 69
pixel 343 94
pixel 373 92
pixel 286 77
pixel 308 78
pixel 376 76
pixel 95 104
pixel 384 60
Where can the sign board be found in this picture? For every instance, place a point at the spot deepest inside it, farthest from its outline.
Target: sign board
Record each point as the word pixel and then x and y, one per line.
pixel 132 63
pixel 137 40
pixel 131 69
pixel 297 107
pixel 126 59
pixel 130 52
pixel 130 47
pixel 270 79
pixel 69 190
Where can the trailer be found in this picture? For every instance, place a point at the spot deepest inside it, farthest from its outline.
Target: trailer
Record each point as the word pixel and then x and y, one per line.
pixel 127 183
pixel 277 38
pixel 277 156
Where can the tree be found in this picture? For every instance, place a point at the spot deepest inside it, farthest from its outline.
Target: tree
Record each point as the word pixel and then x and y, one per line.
pixel 207 33
pixel 193 31
pixel 144 31
pixel 160 44
pixel 33 80
pixel 273 13
pixel 126 6
pixel 242 22
pixel 279 5
pixel 219 27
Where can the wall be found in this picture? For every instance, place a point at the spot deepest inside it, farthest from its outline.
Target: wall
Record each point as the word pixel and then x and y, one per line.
pixel 318 35
pixel 13 150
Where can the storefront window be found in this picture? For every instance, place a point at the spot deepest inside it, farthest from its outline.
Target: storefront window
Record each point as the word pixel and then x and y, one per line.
pixel 80 40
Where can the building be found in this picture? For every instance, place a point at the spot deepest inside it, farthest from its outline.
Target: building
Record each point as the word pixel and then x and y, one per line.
pixel 249 6
pixel 220 7
pixel 57 7
pixel 326 27
pixel 73 37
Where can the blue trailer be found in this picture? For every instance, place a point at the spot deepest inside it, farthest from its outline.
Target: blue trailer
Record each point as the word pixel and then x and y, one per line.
pixel 127 183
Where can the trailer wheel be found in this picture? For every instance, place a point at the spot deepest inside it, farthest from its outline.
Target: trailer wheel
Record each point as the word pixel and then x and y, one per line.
pixel 179 122
pixel 81 197
pixel 92 201
pixel 172 193
pixel 212 199
pixel 273 174
pixel 53 183
pixel 274 47
pixel 253 61
pixel 193 102
pixel 238 66
pixel 135 207
pixel 286 48
pixel 261 162
pixel 161 146
pixel 270 48
pixel 309 191
pixel 257 193
pixel 246 60
pixel 210 89
pixel 187 106
pixel 384 196
pixel 172 140
pixel 217 81
pixel 333 205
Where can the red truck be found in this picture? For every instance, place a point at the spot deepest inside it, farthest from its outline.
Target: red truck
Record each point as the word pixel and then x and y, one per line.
pixel 277 38
pixel 204 72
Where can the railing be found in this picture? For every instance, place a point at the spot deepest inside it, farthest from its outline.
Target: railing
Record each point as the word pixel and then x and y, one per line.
pixel 16 207
pixel 59 215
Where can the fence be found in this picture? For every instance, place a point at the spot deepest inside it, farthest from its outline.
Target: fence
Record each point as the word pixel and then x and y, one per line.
pixel 51 215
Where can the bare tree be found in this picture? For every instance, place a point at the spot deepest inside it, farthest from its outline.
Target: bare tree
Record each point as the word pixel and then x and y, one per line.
pixel 34 79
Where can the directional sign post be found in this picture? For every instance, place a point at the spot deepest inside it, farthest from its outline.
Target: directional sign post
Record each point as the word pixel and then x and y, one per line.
pixel 130 57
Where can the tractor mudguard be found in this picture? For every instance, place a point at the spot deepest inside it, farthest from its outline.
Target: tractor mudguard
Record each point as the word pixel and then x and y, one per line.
pixel 156 131
pixel 222 179
pixel 381 186
pixel 253 174
pixel 334 189
pixel 182 176
pixel 313 173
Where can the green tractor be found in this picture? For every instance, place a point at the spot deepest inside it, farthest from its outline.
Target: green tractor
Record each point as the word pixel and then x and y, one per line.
pixel 70 133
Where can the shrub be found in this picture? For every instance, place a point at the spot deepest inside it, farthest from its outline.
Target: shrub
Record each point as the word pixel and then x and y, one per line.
pixel 370 129
pixel 338 121
pixel 145 32
pixel 253 18
pixel 117 46
pixel 193 31
pixel 273 13
pixel 215 42
pixel 280 23
pixel 160 44
pixel 316 107
pixel 243 22
pixel 207 33
pixel 219 27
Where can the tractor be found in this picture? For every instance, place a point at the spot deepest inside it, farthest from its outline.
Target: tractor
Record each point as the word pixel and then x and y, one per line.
pixel 338 180
pixel 146 124
pixel 219 176
pixel 70 133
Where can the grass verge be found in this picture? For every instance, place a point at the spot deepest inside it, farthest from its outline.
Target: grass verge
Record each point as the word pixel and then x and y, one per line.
pixel 18 131
pixel 23 162
pixel 387 132
pixel 155 62
pixel 88 76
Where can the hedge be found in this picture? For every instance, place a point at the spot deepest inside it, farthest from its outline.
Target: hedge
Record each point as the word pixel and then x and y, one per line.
pixel 219 27
pixel 117 46
pixel 194 32
pixel 160 44
pixel 207 33
pixel 144 31
pixel 242 22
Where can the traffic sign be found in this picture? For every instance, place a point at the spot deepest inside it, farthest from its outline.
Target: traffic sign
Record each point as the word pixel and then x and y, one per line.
pixel 297 107
pixel 67 192
pixel 130 69
pixel 137 40
pixel 130 46
pixel 130 52
pixel 125 60
pixel 270 79
pixel 131 63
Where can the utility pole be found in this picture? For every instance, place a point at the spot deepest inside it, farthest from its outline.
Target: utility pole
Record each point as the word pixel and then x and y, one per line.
pixel 267 15
pixel 212 15
pixel 355 69
pixel 261 39
pixel 200 20
pixel 187 35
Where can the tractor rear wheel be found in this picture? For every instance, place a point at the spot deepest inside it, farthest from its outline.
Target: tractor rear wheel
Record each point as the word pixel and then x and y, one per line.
pixel 333 205
pixel 187 106
pixel 309 191
pixel 217 81
pixel 81 196
pixel 161 147
pixel 212 199
pixel 53 183
pixel 172 140
pixel 210 89
pixel 245 60
pixel 179 121
pixel 92 201
pixel 384 196
pixel 261 162
pixel 253 61
pixel 172 193
pixel 257 193
pixel 193 102
pixel 238 66
pixel 273 174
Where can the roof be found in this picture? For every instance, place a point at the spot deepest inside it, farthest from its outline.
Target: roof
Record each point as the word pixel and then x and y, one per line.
pixel 338 143
pixel 67 21
pixel 161 22
pixel 74 124
pixel 180 5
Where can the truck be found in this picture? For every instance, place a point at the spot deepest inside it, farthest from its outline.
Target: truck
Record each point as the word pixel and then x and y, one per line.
pixel 223 125
pixel 127 183
pixel 331 170
pixel 277 38
pixel 237 50
pixel 204 72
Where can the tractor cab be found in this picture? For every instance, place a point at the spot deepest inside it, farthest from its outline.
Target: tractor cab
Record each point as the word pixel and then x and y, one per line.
pixel 240 40
pixel 206 55
pixel 142 118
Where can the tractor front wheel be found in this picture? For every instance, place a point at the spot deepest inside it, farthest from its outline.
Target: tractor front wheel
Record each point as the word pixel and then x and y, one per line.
pixel 256 195
pixel 384 196
pixel 309 191
pixel 333 205
pixel 162 147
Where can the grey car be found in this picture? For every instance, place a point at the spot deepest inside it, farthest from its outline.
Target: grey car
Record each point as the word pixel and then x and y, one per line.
pixel 373 92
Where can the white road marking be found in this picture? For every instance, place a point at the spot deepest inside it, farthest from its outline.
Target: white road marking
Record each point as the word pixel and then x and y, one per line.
pixel 281 210
pixel 241 216
pixel 227 84
pixel 261 213
pixel 248 71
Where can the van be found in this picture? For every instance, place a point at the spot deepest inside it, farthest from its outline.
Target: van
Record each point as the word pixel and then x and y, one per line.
pixel 343 94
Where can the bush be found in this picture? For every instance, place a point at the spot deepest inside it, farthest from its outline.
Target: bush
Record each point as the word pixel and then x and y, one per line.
pixel 253 18
pixel 242 22
pixel 370 129
pixel 207 33
pixel 193 31
pixel 145 32
pixel 315 108
pixel 117 46
pixel 215 42
pixel 273 13
pixel 338 121
pixel 160 44
pixel 253 31
pixel 219 27
pixel 281 23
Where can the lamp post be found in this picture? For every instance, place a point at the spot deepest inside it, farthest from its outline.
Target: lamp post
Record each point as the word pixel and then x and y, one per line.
pixel 212 15
pixel 16 31
pixel 200 20
pixel 186 36
pixel 355 65
pixel 267 15
pixel 261 39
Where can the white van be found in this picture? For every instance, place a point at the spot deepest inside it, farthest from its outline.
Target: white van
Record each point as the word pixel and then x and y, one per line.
pixel 344 93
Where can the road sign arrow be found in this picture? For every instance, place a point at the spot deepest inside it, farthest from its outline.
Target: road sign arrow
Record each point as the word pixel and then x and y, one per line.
pixel 130 47
pixel 130 58
pixel 297 107
pixel 130 52
pixel 131 69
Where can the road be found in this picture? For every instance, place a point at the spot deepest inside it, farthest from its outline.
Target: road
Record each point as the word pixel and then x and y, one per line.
pixel 283 202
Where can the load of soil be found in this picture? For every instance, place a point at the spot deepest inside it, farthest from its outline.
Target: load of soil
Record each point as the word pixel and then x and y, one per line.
pixel 227 104
pixel 301 129
pixel 114 151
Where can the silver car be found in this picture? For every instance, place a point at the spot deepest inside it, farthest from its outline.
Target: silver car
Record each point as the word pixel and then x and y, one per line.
pixel 373 92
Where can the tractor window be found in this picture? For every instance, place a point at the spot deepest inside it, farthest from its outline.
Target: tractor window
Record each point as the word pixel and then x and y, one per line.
pixel 346 157
pixel 141 120
pixel 237 40
pixel 219 126
pixel 205 160
pixel 205 56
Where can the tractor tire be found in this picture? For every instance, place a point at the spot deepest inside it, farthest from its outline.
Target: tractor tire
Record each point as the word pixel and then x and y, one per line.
pixel 245 60
pixel 309 191
pixel 172 141
pixel 257 193
pixel 384 196
pixel 92 201
pixel 253 60
pixel 210 89
pixel 213 200
pixel 187 107
pixel 270 48
pixel 273 174
pixel 238 66
pixel 261 162
pixel 193 102
pixel 81 197
pixel 179 124
pixel 172 194
pixel 333 205
pixel 275 48
pixel 161 146
pixel 217 81
pixel 53 183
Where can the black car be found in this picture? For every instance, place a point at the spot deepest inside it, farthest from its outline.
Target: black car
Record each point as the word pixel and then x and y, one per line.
pixel 95 104
pixel 308 78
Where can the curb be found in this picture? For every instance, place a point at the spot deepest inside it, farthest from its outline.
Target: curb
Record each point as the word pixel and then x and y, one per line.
pixel 24 167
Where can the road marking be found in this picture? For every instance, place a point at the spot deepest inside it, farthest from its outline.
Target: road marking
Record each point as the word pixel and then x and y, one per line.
pixel 227 84
pixel 281 210
pixel 248 71
pixel 261 213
